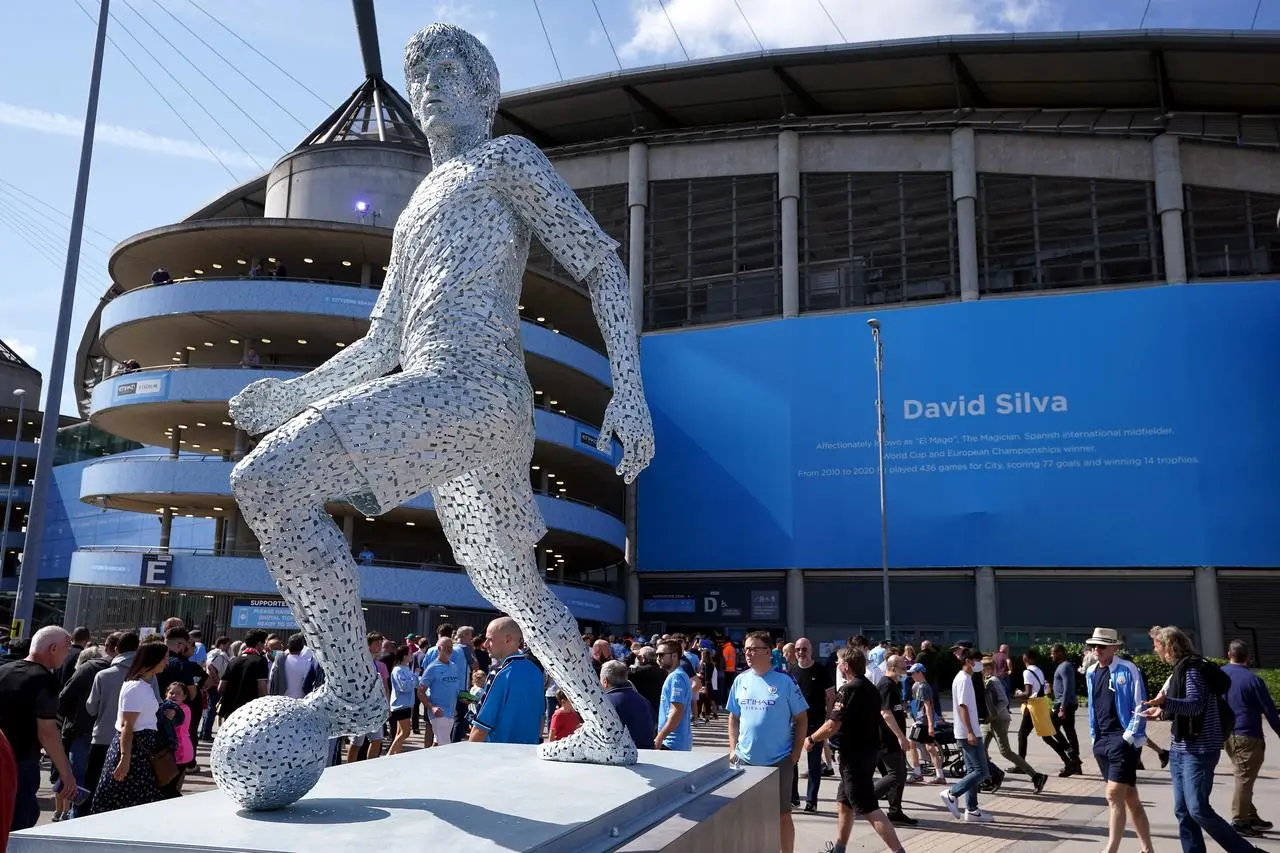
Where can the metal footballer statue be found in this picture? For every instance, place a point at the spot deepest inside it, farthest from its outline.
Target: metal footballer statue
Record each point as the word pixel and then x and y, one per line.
pixel 457 420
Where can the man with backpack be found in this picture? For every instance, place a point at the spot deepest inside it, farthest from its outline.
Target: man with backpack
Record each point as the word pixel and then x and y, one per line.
pixel 1194 699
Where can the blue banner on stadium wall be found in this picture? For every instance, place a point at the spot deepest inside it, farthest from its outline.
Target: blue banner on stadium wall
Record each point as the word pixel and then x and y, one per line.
pixel 1121 428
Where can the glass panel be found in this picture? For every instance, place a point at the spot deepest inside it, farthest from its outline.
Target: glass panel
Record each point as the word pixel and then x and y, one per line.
pixel 875 238
pixel 1230 234
pixel 1048 233
pixel 713 251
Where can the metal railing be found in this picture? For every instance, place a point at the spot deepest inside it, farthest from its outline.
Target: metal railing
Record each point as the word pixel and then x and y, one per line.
pixel 248 553
pixel 170 368
pixel 157 457
pixel 218 457
pixel 310 280
pixel 221 276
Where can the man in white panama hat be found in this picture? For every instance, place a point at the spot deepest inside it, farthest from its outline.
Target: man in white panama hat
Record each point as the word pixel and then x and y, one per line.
pixel 1116 694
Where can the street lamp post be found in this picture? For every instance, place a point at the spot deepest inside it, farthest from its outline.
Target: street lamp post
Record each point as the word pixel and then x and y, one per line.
pixel 13 474
pixel 884 512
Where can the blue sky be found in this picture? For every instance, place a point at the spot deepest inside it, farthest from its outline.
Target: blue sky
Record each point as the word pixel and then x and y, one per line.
pixel 150 169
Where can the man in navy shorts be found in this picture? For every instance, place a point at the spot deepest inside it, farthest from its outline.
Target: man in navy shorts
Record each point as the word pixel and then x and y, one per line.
pixel 1116 694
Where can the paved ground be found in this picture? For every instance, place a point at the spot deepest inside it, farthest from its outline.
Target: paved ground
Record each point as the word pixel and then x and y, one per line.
pixel 1069 817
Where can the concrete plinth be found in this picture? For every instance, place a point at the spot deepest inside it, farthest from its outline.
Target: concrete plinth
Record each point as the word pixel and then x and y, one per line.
pixel 485 797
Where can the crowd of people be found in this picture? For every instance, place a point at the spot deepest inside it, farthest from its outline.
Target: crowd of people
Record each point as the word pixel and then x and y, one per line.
pixel 118 721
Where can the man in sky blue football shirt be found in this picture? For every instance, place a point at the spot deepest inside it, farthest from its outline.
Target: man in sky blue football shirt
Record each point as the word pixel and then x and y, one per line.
pixel 675 706
pixel 512 708
pixel 767 723
pixel 441 682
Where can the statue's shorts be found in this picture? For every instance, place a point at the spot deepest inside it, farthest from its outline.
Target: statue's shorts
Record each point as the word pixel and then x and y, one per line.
pixel 467 439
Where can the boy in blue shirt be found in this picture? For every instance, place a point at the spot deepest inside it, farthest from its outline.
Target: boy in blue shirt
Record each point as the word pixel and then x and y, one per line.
pixel 675 705
pixel 767 723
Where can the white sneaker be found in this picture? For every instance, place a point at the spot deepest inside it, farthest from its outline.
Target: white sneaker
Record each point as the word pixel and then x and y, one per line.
pixel 978 817
pixel 950 802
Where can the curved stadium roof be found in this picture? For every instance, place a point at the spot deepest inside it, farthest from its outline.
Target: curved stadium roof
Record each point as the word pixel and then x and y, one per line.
pixel 1223 85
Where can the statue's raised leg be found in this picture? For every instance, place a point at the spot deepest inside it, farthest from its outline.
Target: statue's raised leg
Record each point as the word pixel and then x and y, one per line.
pixel 493 524
pixel 270 752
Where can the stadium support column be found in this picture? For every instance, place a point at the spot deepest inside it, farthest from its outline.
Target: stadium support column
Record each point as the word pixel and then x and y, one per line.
pixel 638 205
pixel 166 528
pixel 984 590
pixel 349 529
pixel 789 197
pixel 231 532
pixel 1168 171
pixel 795 604
pixel 1209 613
pixel 964 190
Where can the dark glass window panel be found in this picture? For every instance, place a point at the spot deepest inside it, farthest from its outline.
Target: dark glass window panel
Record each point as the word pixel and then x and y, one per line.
pixel 713 251
pixel 876 238
pixel 1230 233
pixel 1039 233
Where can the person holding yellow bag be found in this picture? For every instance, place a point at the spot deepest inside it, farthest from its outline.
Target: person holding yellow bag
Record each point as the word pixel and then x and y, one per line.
pixel 1036 712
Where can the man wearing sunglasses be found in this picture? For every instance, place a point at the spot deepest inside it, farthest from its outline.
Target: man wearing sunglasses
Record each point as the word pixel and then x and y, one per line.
pixel 819 694
pixel 1116 694
pixel 675 706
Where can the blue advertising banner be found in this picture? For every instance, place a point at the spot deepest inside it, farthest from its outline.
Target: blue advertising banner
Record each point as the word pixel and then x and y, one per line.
pixel 1122 428
pixel 265 613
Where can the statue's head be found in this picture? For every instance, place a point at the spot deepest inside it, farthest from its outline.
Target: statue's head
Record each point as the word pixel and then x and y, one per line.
pixel 452 79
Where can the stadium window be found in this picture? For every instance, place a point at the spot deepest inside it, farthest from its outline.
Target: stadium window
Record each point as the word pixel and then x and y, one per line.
pixel 876 238
pixel 608 204
pixel 712 251
pixel 1230 233
pixel 1044 233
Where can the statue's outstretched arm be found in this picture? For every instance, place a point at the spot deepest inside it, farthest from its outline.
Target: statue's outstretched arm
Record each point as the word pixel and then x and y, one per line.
pixel 569 232
pixel 628 412
pixel 611 301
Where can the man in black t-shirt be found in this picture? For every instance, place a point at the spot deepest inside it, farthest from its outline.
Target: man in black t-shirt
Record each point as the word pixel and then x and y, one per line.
pixel 856 715
pixel 893 741
pixel 28 718
pixel 819 692
pixel 246 676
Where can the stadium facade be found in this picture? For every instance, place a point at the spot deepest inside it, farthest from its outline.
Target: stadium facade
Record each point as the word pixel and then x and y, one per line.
pixel 1069 240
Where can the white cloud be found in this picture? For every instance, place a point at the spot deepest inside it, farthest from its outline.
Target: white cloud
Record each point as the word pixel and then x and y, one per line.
pixel 123 137
pixel 715 27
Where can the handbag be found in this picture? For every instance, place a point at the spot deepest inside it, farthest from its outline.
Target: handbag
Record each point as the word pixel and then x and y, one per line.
pixel 914 731
pixel 164 765
pixel 1041 716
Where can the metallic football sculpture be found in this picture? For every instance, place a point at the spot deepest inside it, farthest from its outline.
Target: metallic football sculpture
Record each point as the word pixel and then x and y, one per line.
pixel 458 420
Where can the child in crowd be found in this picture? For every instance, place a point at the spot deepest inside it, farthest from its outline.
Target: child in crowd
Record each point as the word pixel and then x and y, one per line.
pixel 565 720
pixel 176 732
